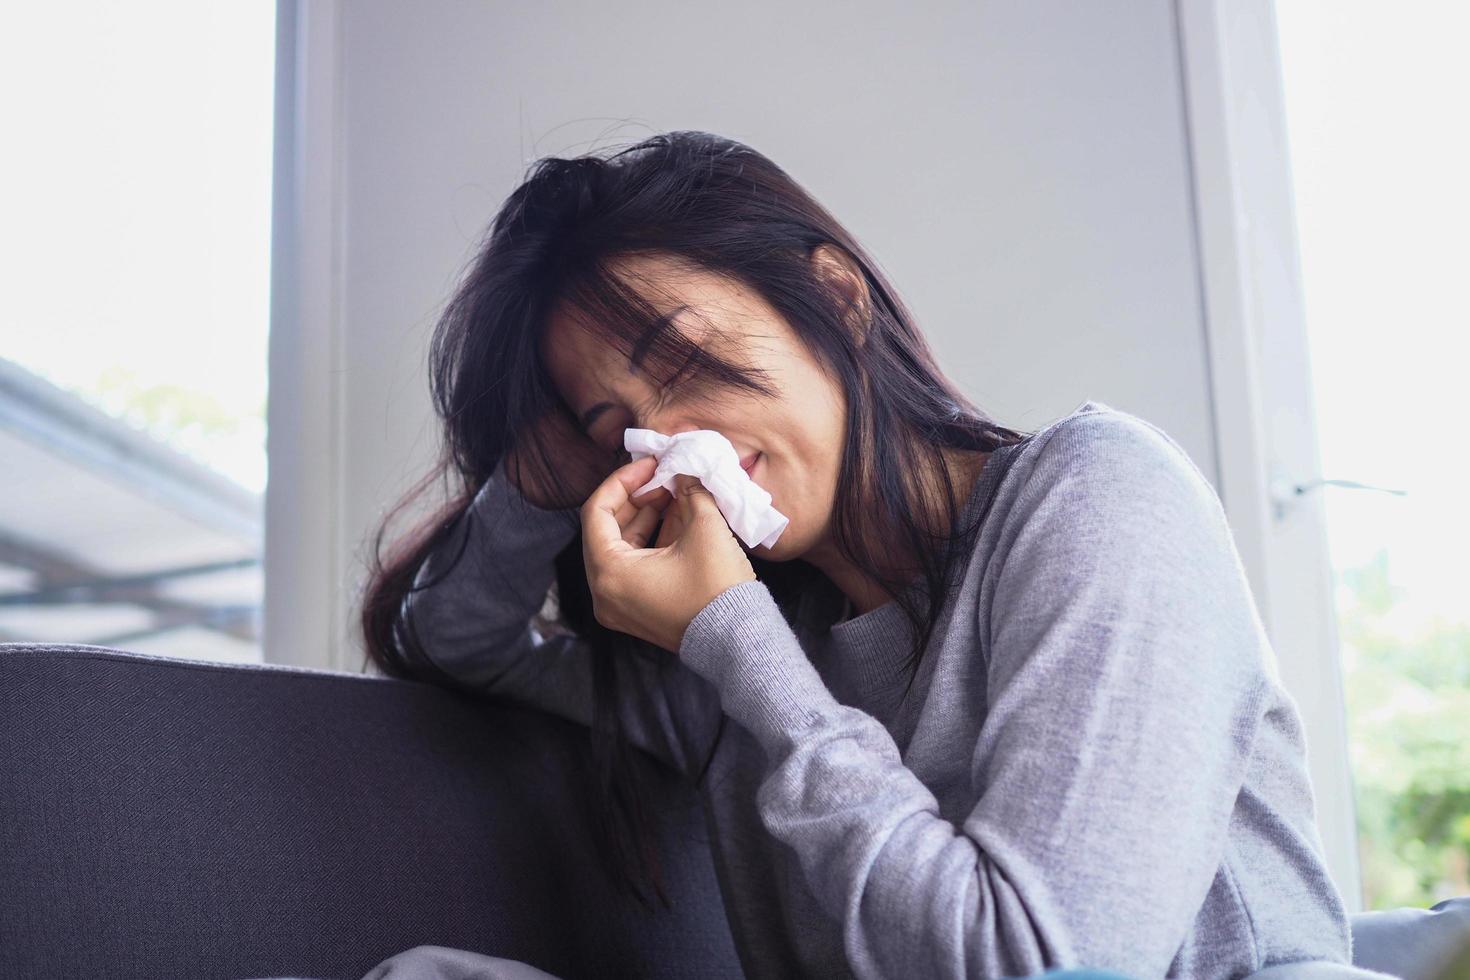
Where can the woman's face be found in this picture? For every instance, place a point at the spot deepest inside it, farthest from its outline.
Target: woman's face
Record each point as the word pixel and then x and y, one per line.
pixel 795 437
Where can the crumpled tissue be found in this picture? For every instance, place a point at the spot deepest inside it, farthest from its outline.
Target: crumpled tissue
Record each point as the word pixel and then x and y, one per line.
pixel 708 455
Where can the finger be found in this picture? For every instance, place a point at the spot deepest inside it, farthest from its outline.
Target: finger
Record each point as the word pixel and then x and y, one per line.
pixel 683 486
pixel 600 533
pixel 637 531
pixel 658 498
pixel 672 527
pixel 608 509
pixel 631 476
pixel 694 498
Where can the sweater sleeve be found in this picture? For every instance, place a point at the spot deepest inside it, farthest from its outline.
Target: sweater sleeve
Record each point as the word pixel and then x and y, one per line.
pixel 473 616
pixel 1124 660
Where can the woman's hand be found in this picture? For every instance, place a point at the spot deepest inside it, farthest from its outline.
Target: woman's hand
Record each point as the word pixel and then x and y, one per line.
pixel 654 593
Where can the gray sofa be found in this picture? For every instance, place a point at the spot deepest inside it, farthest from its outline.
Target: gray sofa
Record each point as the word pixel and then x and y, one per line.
pixel 170 818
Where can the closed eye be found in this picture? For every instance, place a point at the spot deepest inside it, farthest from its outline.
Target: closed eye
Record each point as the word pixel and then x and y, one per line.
pixel 671 384
pixel 678 375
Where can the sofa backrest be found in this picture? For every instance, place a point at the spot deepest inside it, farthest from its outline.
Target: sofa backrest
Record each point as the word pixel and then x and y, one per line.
pixel 177 818
pixel 169 818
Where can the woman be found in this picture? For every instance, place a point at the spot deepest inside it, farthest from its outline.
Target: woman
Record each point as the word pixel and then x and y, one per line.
pixel 995 702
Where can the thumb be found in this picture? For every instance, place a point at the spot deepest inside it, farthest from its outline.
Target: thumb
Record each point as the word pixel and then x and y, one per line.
pixel 694 498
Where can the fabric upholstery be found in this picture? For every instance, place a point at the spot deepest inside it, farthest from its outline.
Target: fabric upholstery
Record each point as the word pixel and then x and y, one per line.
pixel 169 818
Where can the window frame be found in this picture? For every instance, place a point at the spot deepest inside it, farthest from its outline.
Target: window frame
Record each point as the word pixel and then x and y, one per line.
pixel 1260 370
pixel 305 551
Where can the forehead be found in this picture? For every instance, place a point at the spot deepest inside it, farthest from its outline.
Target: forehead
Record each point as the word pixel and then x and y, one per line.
pixel 580 359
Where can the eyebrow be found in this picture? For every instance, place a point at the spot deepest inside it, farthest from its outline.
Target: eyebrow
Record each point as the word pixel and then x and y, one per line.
pixel 639 349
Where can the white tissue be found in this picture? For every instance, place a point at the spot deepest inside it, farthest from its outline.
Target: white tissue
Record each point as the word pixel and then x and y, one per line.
pixel 708 455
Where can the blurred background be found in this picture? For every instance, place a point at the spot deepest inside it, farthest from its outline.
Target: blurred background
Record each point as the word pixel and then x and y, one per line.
pixel 228 228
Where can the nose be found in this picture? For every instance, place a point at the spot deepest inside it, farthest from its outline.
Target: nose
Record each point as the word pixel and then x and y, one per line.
pixel 666 426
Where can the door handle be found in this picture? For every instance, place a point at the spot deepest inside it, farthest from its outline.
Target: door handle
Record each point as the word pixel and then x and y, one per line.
pixel 1285 491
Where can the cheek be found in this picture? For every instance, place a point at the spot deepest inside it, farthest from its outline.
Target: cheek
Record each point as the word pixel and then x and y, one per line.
pixel 800 462
pixel 801 488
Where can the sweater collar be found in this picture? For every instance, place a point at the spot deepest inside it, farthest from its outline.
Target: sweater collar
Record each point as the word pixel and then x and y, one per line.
pixel 863 659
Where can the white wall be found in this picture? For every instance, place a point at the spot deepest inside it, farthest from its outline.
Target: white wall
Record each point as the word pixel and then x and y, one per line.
pixel 1020 170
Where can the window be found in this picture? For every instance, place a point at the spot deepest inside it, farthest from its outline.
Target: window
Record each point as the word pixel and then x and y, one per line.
pixel 133 367
pixel 1374 96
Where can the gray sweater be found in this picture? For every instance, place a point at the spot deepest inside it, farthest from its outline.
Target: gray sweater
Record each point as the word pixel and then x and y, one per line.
pixel 1096 765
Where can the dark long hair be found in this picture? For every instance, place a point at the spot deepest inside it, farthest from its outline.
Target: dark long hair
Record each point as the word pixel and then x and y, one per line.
pixel 720 206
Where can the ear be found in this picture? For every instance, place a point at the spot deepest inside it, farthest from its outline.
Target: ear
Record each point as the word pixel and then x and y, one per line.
pixel 841 273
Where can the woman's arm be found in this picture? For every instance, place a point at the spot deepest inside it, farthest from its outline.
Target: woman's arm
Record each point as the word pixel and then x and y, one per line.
pixel 475 622
pixel 1126 684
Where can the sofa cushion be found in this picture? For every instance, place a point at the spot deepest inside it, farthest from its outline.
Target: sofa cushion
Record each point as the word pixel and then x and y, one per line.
pixel 1415 944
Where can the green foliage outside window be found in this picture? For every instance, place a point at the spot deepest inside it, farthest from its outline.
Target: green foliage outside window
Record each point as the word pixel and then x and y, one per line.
pixel 1408 702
